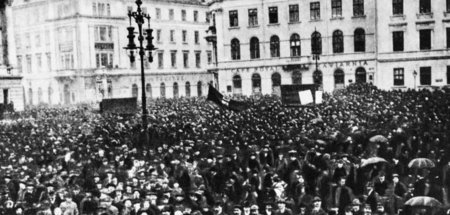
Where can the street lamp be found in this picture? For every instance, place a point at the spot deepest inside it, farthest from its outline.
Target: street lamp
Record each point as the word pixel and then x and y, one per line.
pixel 139 17
pixel 316 50
pixel 415 75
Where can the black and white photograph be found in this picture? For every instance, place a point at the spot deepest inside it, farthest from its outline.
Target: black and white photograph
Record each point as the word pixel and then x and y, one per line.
pixel 224 107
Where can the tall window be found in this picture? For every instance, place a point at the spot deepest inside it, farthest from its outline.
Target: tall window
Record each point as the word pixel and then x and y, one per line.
pixel 50 93
pixel 183 15
pixel 199 88
pixel 338 41
pixel 448 74
pixel 316 43
pixel 162 90
pixel 173 59
pixel 253 17
pixel 195 16
pixel 293 13
pixel 397 38
pixel 399 76
pixel 358 7
pixel 235 49
pixel 175 90
pixel 397 7
pixel 188 89
pixel 197 59
pixel 158 35
pixel 49 61
pixel 448 37
pixel 209 57
pixel 256 83
pixel 160 60
pixel 425 39
pixel 315 10
pixel 39 61
pixel 273 15
pixel 101 9
pixel 339 78
pixel 234 20
pixel 274 46
pixel 19 63
pixel 336 8
pixel 103 33
pixel 360 40
pixel 186 59
pixel 171 14
pixel 40 94
pixel 158 13
pixel 295 45
pixel 425 75
pixel 30 96
pixel 148 90
pixel 134 91
pixel 184 36
pixel 237 82
pixel 172 35
pixel 254 48
pixel 425 6
pixel 196 37
pixel 28 61
pixel 296 77
pixel 448 6
pixel 103 58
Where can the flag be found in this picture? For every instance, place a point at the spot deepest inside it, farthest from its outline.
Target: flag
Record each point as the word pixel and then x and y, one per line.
pixel 216 97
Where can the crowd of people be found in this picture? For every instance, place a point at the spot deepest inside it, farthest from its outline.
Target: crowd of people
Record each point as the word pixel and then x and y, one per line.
pixel 349 155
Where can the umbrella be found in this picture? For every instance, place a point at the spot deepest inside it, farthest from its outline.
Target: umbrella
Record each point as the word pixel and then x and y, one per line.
pixel 372 160
pixel 321 142
pixel 378 138
pixel 421 163
pixel 423 201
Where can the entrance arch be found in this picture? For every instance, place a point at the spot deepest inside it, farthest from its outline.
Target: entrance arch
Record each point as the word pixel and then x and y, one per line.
pixel 361 75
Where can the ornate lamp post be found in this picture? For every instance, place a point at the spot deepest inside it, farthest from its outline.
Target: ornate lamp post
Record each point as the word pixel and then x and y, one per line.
pixel 415 75
pixel 316 49
pixel 139 17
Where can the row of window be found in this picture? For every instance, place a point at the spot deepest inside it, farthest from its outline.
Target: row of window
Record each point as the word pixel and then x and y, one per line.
pixel 425 76
pixel 424 6
pixel 295 44
pixel 162 90
pixel 171 16
pixel 27 41
pixel 294 14
pixel 184 36
pixel 185 54
pixel 425 39
pixel 39 62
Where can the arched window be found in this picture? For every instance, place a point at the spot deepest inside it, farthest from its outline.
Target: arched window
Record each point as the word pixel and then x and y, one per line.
pixel 317 77
pixel 40 94
pixel 360 75
pixel 254 48
pixel 276 79
pixel 134 91
pixel 295 45
pixel 148 90
pixel 188 89
pixel 256 83
pixel 50 94
pixel 30 96
pixel 175 90
pixel 237 84
pixel 338 42
pixel 275 46
pixel 296 77
pixel 316 43
pixel 235 49
pixel 199 88
pixel 162 90
pixel 339 78
pixel 360 40
pixel 66 94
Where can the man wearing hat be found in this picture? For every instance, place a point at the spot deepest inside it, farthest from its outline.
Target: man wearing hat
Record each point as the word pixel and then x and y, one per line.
pixel 282 209
pixel 372 196
pixel 218 209
pixel 317 207
pixel 237 210
pixel 68 206
pixel 398 186
pixel 356 207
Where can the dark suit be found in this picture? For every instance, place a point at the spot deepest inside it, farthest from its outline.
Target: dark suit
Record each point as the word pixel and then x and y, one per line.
pixel 372 200
pixel 381 187
pixel 342 196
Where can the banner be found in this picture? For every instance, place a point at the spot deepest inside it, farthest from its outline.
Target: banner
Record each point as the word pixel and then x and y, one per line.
pixel 319 97
pixel 306 97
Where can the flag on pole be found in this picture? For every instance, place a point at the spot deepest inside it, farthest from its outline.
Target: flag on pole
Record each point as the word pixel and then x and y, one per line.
pixel 216 97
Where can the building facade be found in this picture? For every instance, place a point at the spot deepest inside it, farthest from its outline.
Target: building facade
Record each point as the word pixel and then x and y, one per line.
pixel 11 90
pixel 263 44
pixel 72 51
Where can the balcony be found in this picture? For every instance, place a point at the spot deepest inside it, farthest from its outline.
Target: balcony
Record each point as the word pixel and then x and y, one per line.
pixel 427 15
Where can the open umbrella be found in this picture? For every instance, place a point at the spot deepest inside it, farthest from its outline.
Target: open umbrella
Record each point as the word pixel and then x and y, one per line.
pixel 378 138
pixel 372 160
pixel 423 201
pixel 321 142
pixel 421 163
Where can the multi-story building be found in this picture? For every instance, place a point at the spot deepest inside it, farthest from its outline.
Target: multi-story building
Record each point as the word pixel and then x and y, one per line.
pixel 11 90
pixel 263 44
pixel 72 51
